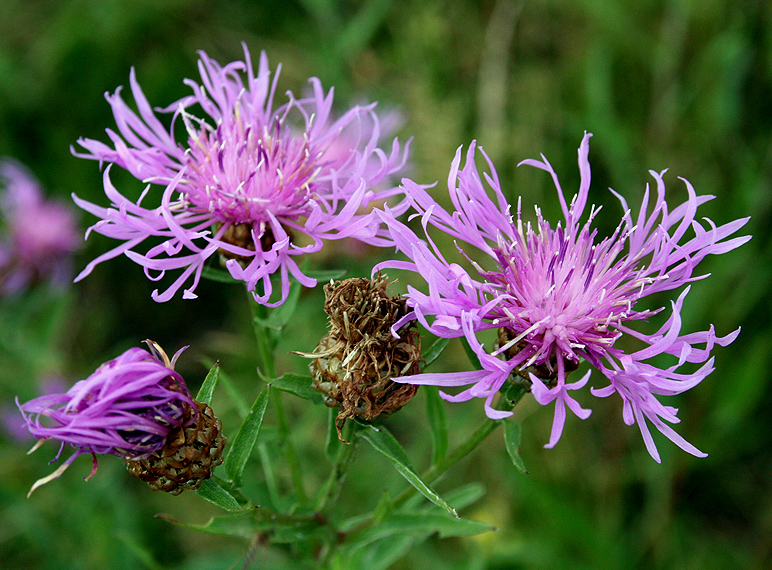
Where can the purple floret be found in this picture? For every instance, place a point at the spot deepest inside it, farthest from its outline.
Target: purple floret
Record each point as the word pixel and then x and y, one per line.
pixel 563 294
pixel 126 408
pixel 255 185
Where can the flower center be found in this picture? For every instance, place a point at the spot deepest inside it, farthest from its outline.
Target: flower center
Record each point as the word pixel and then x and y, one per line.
pixel 564 294
pixel 246 173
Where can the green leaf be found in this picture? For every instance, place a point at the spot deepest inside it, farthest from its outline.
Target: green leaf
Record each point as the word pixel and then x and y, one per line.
pixel 245 522
pixel 463 496
pixel 382 440
pixel 270 457
pixel 382 554
pixel 206 391
pixel 385 443
pixel 434 351
pixel 384 508
pixel 298 533
pixel 241 524
pixel 214 493
pixel 144 555
pixel 332 444
pixel 361 27
pixel 418 524
pixel 435 412
pixel 225 381
pixel 301 386
pixel 512 392
pixel 244 442
pixel 512 442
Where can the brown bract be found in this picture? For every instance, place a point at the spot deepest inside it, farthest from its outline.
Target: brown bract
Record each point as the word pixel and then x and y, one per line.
pixel 191 453
pixel 354 363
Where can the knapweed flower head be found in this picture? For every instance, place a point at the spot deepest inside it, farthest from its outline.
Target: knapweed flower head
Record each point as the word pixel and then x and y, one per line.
pixel 39 236
pixel 255 185
pixel 127 407
pixel 562 294
pixel 354 363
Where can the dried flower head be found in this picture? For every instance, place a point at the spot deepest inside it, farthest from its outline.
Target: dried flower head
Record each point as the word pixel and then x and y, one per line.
pixel 355 362
pixel 252 185
pixel 40 235
pixel 561 295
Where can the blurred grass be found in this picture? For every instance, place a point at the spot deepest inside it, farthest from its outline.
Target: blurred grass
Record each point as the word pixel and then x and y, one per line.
pixel 681 84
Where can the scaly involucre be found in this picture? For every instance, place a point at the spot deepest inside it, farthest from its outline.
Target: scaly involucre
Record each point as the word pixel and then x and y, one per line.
pixel 254 185
pixel 126 408
pixel 562 295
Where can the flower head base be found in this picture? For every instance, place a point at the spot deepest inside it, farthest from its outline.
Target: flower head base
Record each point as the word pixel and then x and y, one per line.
pixel 191 452
pixel 255 185
pixel 561 295
pixel 127 407
pixel 41 234
pixel 355 362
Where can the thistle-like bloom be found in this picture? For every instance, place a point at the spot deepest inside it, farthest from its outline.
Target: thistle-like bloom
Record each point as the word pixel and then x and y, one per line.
pixel 40 235
pixel 256 185
pixel 560 295
pixel 127 407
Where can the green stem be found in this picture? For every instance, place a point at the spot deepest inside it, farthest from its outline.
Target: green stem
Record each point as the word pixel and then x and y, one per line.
pixel 290 454
pixel 266 343
pixel 265 340
pixel 436 470
pixel 329 494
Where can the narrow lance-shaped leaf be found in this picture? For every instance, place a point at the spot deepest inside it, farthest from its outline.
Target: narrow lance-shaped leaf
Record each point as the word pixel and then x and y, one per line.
pixel 512 442
pixel 385 443
pixel 224 381
pixel 332 445
pixel 243 443
pixel 214 493
pixel 301 386
pixel 399 524
pixel 206 391
pixel 434 351
pixel 435 412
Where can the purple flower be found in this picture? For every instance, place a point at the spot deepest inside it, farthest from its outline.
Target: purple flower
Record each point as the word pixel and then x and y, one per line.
pixel 40 235
pixel 259 186
pixel 562 295
pixel 126 408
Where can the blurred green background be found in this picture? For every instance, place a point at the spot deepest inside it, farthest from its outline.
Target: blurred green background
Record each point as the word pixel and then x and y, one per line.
pixel 681 84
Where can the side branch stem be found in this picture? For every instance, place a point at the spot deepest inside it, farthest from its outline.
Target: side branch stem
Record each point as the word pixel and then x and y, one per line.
pixel 479 435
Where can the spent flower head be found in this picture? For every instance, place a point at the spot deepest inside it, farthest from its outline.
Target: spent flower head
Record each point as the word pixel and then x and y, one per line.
pixel 562 294
pixel 40 235
pixel 354 363
pixel 127 407
pixel 255 185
